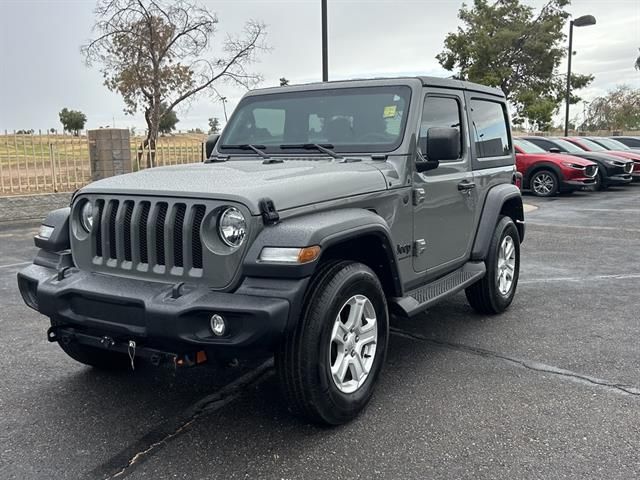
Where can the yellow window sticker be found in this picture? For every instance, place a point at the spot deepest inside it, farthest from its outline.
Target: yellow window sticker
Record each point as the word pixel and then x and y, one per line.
pixel 389 112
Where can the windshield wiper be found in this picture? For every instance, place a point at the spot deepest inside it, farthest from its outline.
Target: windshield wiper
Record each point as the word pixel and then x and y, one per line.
pixel 326 148
pixel 247 146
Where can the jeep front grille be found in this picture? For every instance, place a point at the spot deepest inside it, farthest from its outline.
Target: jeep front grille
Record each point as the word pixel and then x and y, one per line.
pixel 591 170
pixel 162 236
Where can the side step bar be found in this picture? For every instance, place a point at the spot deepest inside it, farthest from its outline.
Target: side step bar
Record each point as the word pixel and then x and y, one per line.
pixel 421 298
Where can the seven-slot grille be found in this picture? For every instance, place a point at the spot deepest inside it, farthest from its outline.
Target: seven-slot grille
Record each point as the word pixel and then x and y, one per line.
pixel 158 235
pixel 591 170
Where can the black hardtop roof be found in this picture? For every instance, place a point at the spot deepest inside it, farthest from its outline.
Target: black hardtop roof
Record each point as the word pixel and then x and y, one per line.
pixel 372 82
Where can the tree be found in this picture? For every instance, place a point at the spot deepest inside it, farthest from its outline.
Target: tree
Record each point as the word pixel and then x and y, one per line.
pixel 72 120
pixel 619 109
pixel 284 82
pixel 159 51
pixel 505 44
pixel 637 65
pixel 168 120
pixel 214 125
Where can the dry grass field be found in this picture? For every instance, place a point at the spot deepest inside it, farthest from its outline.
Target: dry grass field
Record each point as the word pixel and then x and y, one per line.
pixel 43 163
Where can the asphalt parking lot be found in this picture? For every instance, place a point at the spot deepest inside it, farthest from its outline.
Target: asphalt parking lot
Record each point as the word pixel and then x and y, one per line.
pixel 550 389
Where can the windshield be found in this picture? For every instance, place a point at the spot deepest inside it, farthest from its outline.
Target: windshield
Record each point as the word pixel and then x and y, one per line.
pixel 612 144
pixel 568 146
pixel 593 146
pixel 361 119
pixel 528 147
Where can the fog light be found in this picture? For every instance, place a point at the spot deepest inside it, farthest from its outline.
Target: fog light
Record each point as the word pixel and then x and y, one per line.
pixel 218 327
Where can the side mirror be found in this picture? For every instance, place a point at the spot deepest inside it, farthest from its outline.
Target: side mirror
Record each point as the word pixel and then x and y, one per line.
pixel 440 144
pixel 210 144
pixel 554 150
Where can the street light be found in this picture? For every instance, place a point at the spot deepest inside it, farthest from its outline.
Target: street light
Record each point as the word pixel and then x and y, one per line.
pixel 325 47
pixel 583 21
pixel 224 107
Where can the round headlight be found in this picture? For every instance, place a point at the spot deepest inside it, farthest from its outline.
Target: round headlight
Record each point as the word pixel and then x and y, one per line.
pixel 86 216
pixel 232 227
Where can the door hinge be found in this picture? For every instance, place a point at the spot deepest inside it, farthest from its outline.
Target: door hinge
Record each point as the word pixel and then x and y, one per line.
pixel 419 246
pixel 418 196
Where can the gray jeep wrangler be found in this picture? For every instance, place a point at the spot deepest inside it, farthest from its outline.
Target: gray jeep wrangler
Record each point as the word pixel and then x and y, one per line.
pixel 322 210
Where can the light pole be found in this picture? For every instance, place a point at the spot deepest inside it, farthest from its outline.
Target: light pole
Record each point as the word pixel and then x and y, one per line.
pixel 224 107
pixel 325 41
pixel 582 21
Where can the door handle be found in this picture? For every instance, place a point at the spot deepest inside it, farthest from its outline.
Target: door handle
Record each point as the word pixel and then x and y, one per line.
pixel 465 186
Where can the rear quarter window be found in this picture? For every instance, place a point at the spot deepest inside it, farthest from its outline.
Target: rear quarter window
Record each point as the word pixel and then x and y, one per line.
pixel 490 128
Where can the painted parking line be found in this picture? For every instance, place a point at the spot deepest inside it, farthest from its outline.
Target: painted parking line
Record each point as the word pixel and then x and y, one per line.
pixel 625 276
pixel 20 264
pixel 587 227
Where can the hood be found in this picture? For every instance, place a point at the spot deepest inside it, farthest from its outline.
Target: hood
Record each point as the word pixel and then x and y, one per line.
pixel 598 156
pixel 289 184
pixel 635 156
pixel 555 158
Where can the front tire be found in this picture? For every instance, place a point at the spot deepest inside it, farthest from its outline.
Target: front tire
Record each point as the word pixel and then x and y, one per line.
pixel 544 183
pixel 495 291
pixel 328 365
pixel 600 184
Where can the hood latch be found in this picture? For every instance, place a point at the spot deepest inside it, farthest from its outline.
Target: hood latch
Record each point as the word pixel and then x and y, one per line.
pixel 269 213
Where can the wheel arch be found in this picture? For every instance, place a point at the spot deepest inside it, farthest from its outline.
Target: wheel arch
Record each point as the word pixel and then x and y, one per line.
pixel 542 166
pixel 346 234
pixel 501 200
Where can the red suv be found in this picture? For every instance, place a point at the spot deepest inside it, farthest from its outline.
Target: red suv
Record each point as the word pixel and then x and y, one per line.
pixel 547 174
pixel 607 145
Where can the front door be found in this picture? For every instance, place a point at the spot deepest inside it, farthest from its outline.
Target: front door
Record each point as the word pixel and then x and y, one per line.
pixel 444 198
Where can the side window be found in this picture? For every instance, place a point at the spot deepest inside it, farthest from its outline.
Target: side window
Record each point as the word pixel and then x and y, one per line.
pixel 440 112
pixel 490 130
pixel 543 144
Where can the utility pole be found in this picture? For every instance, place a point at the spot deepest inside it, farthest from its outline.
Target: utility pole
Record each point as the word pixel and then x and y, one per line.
pixel 325 41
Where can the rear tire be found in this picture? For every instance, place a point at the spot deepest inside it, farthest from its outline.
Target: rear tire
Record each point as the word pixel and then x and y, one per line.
pixel 495 291
pixel 329 363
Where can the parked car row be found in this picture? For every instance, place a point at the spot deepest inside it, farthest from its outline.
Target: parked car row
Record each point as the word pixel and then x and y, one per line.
pixel 552 165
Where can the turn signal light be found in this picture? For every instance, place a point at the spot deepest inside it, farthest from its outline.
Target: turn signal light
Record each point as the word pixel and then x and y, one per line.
pixel 289 254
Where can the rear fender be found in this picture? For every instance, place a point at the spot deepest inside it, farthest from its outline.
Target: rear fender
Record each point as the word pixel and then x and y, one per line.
pixel 504 199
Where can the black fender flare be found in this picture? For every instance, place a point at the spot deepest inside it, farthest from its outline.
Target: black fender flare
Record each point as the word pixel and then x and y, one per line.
pixel 326 229
pixel 59 239
pixel 542 166
pixel 504 199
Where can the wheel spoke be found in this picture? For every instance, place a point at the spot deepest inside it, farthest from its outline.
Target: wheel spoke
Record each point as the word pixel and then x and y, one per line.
pixel 339 370
pixel 357 368
pixel 367 335
pixel 355 314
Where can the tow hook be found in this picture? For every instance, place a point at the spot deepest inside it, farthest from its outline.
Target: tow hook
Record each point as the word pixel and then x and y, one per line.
pixel 52 335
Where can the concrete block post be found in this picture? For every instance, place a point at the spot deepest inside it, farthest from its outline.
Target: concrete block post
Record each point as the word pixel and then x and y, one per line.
pixel 109 152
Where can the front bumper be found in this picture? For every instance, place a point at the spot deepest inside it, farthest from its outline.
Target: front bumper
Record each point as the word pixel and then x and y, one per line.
pixel 577 183
pixel 619 179
pixel 172 318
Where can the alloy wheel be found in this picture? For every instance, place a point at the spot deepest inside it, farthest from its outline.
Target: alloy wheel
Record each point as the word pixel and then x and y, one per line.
pixel 506 265
pixel 543 184
pixel 353 344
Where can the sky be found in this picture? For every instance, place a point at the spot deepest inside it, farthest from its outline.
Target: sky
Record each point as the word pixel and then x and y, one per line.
pixel 42 70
